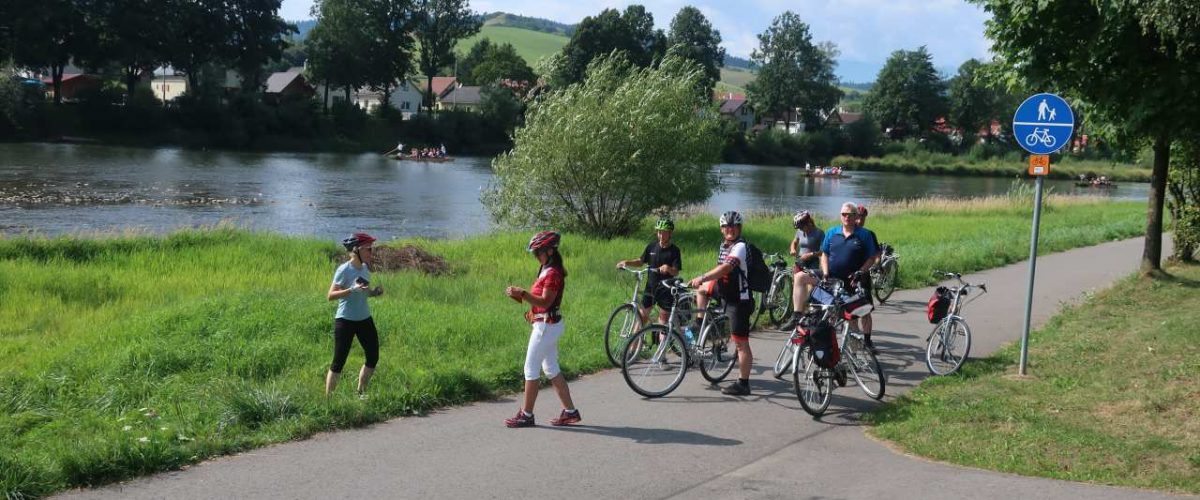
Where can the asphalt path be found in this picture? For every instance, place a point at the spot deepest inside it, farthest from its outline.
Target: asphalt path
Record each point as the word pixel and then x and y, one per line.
pixel 695 443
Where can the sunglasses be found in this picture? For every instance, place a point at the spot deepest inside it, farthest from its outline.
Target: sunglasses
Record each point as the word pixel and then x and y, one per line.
pixel 849 215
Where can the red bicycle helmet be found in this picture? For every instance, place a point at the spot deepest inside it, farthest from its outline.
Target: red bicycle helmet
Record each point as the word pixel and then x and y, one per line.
pixel 357 240
pixel 544 239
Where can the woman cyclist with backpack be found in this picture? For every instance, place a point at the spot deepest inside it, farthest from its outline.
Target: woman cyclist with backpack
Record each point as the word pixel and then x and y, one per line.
pixel 545 297
pixel 350 288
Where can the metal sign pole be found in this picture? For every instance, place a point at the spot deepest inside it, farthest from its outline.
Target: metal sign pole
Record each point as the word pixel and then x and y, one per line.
pixel 1033 244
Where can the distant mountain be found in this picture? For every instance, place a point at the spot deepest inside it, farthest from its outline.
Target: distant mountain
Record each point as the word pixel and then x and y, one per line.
pixel 739 63
pixel 529 23
pixel 303 27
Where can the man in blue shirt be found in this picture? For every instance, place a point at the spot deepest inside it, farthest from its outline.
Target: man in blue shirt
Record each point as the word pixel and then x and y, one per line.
pixel 847 249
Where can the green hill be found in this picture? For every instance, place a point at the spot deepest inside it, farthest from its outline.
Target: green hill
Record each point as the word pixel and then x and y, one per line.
pixel 531 45
pixel 535 45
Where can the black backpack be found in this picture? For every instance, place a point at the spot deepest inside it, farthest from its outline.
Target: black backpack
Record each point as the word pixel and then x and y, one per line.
pixel 758 274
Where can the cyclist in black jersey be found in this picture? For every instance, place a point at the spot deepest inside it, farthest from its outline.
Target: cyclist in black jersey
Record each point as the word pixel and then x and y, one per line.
pixel 665 261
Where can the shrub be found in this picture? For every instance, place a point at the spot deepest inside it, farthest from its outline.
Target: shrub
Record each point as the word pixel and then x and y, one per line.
pixel 600 155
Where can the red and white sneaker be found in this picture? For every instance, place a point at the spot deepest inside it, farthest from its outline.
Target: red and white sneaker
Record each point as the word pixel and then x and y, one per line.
pixel 520 420
pixel 567 417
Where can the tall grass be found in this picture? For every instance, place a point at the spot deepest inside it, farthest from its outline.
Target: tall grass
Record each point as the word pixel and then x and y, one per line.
pixel 136 354
pixel 945 164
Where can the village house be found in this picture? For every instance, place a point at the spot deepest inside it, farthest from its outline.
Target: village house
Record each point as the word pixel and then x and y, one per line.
pixel 462 98
pixel 73 85
pixel 737 108
pixel 166 83
pixel 287 84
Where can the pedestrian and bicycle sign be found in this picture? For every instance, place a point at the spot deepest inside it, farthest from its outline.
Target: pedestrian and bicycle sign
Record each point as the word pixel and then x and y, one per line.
pixel 1043 124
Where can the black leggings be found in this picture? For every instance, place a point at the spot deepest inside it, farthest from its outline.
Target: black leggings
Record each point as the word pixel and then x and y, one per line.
pixel 344 331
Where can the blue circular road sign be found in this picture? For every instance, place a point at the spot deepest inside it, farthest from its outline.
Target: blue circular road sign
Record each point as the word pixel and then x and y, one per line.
pixel 1043 124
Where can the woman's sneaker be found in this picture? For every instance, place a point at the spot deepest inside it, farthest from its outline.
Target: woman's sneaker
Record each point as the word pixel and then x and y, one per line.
pixel 567 417
pixel 520 420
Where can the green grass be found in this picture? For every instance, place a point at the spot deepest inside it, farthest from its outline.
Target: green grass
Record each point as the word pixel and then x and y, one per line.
pixel 1113 397
pixel 531 45
pixel 944 164
pixel 130 355
pixel 535 45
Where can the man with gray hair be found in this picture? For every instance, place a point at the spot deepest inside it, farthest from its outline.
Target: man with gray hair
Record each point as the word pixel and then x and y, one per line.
pixel 848 249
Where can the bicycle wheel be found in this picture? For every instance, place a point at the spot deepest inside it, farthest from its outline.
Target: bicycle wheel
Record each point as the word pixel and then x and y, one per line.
pixel 813 384
pixel 784 361
pixel 949 345
pixel 717 353
pixel 885 284
pixel 865 366
pixel 623 321
pixel 654 361
pixel 779 304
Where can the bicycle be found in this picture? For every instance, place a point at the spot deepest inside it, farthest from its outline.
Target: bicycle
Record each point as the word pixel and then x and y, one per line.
pixel 1041 135
pixel 628 316
pixel 949 343
pixel 884 274
pixel 655 359
pixel 777 301
pixel 813 382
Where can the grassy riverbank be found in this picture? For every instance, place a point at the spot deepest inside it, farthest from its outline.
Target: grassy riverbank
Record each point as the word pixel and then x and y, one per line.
pixel 1113 397
pixel 135 354
pixel 943 164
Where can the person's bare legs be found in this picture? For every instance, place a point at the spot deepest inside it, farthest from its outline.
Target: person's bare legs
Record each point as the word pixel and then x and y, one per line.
pixel 364 378
pixel 802 287
pixel 331 380
pixel 745 359
pixel 564 393
pixel 531 393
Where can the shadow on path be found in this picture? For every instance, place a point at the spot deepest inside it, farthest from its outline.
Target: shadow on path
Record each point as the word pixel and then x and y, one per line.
pixel 651 436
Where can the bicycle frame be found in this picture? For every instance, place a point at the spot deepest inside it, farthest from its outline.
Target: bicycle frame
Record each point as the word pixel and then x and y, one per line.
pixel 681 292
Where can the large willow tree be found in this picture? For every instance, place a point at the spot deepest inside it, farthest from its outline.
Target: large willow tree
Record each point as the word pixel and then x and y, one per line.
pixel 599 156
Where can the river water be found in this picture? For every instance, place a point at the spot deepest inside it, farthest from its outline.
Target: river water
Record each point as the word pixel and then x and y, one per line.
pixel 54 189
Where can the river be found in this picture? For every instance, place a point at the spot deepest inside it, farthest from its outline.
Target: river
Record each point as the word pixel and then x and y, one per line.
pixel 53 189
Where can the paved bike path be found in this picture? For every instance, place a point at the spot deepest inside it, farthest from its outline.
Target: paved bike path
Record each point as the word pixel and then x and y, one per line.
pixel 694 443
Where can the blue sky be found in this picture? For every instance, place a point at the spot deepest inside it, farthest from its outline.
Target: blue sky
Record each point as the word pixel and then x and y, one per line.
pixel 866 31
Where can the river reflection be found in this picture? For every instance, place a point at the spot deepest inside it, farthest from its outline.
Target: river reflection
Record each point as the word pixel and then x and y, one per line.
pixel 57 189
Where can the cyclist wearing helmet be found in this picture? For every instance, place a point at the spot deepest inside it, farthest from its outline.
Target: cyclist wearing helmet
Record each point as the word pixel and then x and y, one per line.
pixel 545 297
pixel 806 247
pixel 868 323
pixel 353 318
pixel 730 275
pixel 665 261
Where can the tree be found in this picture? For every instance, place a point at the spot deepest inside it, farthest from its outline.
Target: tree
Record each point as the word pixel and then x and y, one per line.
pixel 49 33
pixel 1184 201
pixel 587 154
pixel 501 108
pixel 438 26
pixel 200 35
pixel 133 35
pixel 692 37
pixel 502 63
pixel 1134 62
pixel 257 35
pixel 338 46
pixel 475 55
pixel 390 44
pixel 794 74
pixel 631 32
pixel 972 102
pixel 908 95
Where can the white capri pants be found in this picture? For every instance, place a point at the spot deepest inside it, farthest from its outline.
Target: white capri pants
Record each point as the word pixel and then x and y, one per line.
pixel 543 350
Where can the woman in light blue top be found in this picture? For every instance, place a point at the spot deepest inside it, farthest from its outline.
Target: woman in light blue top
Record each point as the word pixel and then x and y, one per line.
pixel 351 287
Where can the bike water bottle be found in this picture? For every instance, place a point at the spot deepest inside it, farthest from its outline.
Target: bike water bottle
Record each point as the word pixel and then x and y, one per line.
pixel 688 335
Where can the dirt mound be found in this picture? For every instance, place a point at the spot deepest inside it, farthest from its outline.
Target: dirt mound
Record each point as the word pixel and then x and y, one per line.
pixel 408 257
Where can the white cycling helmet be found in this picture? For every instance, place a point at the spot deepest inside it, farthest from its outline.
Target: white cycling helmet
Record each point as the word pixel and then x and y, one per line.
pixel 731 218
